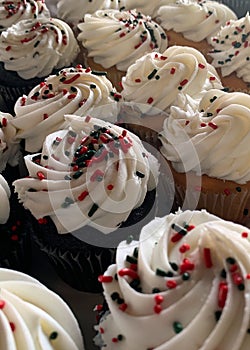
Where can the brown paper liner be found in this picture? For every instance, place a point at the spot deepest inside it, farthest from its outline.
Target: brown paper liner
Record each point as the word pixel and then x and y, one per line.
pixel 224 198
pixel 233 83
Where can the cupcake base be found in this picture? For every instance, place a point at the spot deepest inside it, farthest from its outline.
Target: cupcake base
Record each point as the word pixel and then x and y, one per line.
pixel 80 257
pixel 224 198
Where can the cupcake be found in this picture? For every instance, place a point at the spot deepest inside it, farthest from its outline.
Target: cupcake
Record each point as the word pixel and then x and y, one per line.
pixel 180 286
pixel 112 40
pixel 31 50
pixel 73 90
pixel 192 23
pixel 15 250
pixel 207 150
pixel 14 11
pixel 230 54
pixel 92 179
pixel 34 317
pixel 9 146
pixel 153 83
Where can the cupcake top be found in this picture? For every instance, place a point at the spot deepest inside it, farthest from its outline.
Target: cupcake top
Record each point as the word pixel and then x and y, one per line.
pixel 184 285
pixel 4 199
pixel 9 146
pixel 34 48
pixel 196 20
pixel 155 80
pixel 79 8
pixel 33 317
pixel 218 132
pixel 94 173
pixel 231 48
pixel 14 11
pixel 71 91
pixel 118 38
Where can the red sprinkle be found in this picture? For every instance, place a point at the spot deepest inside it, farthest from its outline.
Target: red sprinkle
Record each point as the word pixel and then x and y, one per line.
pixel 138 80
pixel 123 307
pixel 45 116
pixel 172 71
pixel 110 187
pixel 105 279
pixel 150 100
pixel 71 80
pixel 42 221
pixel 212 125
pixel 12 326
pixel 244 234
pixel 237 279
pixel 83 195
pixel 157 309
pixel 171 284
pixel 227 191
pixel 183 82
pixel 128 272
pixel 2 304
pixel 223 289
pixel 158 299
pixel 40 175
pixel 8 48
pixel 207 258
pixel 184 248
pixel 201 66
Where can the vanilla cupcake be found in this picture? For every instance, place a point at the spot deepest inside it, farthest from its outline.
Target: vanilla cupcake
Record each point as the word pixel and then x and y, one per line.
pixel 91 185
pixel 73 90
pixel 34 317
pixel 208 152
pixel 183 285
pixel 31 50
pixel 153 83
pixel 192 23
pixel 112 40
pixel 230 54
pixel 14 11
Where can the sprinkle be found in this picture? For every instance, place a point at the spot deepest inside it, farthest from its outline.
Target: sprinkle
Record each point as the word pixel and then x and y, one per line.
pixel 186 265
pixel 129 239
pixel 207 258
pixel 161 273
pixel 227 191
pixel 212 125
pixel 2 304
pixel 217 315
pixel 139 174
pixel 201 66
pixel 45 116
pixel 105 279
pixel 184 248
pixel 171 284
pixel 71 80
pixel 93 209
pixel 128 272
pixel 12 326
pixel 183 82
pixel 158 299
pixel 42 221
pixel 244 234
pixel 177 326
pixel 185 276
pixel 157 309
pixel 172 71
pixel 138 80
pixel 222 295
pixel 123 307
pixel 40 175
pixel 53 335
pixel 150 100
pixel 152 74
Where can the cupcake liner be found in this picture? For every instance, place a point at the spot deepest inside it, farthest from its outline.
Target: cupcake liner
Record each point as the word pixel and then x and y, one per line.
pixel 224 198
pixel 144 133
pixel 15 243
pixel 80 257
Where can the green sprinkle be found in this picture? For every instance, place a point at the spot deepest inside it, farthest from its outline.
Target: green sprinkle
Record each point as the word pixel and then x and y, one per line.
pixel 129 239
pixel 93 210
pixel 161 273
pixel 217 315
pixel 94 72
pixel 152 74
pixel 53 336
pixel 177 327
pixel 131 259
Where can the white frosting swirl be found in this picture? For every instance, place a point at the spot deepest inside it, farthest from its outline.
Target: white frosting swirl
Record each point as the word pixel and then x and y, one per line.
pixel 188 287
pixel 157 79
pixel 231 48
pixel 34 48
pixel 9 146
pixel 93 174
pixel 4 199
pixel 196 20
pixel 14 11
pixel 118 38
pixel 34 318
pixel 72 91
pixel 219 132
pixel 146 7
